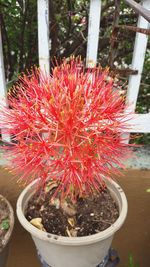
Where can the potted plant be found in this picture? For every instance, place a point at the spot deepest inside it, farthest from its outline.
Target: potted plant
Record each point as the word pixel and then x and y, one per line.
pixel 67 143
pixel 6 227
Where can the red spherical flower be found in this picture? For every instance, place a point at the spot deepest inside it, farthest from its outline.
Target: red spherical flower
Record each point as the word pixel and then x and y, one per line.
pixel 66 127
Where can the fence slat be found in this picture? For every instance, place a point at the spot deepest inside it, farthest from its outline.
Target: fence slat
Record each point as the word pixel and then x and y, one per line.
pixel 143 120
pixel 2 74
pixel 93 33
pixel 138 59
pixel 139 9
pixel 140 123
pixel 5 137
pixel 43 35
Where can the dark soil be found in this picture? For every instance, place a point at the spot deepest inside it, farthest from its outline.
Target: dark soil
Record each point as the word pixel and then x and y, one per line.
pixel 4 221
pixel 86 217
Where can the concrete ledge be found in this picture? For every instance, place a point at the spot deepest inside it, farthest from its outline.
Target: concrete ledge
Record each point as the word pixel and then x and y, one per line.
pixel 141 161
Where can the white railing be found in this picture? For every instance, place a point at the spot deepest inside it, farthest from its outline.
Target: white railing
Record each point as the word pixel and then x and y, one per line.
pixel 141 122
pixel 2 86
pixel 142 10
pixel 43 34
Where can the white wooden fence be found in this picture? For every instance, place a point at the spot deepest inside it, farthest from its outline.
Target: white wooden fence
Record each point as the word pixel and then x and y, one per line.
pixel 141 122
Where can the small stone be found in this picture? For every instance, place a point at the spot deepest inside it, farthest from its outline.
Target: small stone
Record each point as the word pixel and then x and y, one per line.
pixel 42 208
pixel 55 202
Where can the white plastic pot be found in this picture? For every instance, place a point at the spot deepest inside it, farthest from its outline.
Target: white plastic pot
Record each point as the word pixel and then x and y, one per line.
pixel 59 251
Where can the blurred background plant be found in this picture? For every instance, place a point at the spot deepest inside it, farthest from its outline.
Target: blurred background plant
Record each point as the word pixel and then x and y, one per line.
pixel 68 35
pixel 131 262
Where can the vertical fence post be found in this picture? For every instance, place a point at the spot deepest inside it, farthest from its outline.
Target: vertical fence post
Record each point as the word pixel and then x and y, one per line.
pixel 138 61
pixel 43 34
pixel 93 33
pixel 5 137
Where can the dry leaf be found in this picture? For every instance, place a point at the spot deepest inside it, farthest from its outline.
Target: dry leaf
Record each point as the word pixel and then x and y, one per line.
pixel 37 222
pixel 71 222
pixel 71 232
pixel 68 232
pixel 68 208
pixel 50 186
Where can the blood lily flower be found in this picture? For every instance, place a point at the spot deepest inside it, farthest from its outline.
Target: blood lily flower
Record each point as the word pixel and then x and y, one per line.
pixel 66 127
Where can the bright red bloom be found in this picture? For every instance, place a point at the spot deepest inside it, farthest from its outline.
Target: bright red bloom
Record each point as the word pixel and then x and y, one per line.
pixel 66 127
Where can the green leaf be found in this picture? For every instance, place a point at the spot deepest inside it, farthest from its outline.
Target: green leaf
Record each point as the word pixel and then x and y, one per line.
pixel 5 224
pixel 131 262
pixel 148 190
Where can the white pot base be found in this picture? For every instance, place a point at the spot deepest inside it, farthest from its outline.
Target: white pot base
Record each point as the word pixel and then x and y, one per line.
pixel 107 262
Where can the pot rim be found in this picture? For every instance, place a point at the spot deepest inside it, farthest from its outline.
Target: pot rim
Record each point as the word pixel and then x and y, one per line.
pixel 73 241
pixel 12 220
